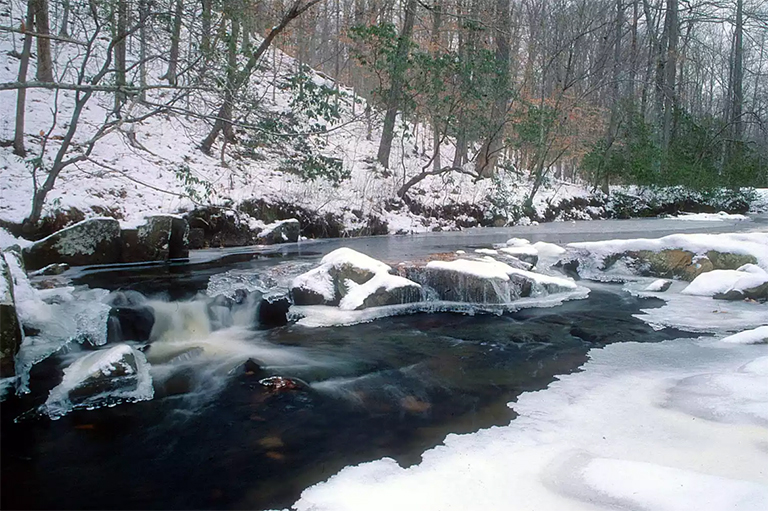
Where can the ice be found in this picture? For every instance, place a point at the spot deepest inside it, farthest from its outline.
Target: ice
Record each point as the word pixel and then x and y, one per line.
pixel 604 438
pixel 711 217
pixel 757 335
pixel 314 316
pixel 228 283
pixel 102 378
pixel 703 314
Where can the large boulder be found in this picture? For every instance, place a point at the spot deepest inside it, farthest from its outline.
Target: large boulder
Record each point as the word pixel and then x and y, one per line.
pixel 159 238
pixel 94 241
pixel 338 272
pixel 10 328
pixel 282 231
pixel 676 263
pixel 273 309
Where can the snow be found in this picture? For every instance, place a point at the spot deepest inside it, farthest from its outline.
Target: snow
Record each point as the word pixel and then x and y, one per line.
pixel 8 240
pixel 517 242
pixel 711 217
pixel 269 228
pixel 346 256
pixel 757 335
pixel 484 269
pixel 721 281
pixel 318 280
pixel 545 249
pixel 359 292
pixel 522 250
pixel 657 285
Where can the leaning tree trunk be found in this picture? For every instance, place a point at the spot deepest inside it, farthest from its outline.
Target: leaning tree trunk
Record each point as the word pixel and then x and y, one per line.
pixel 397 84
pixel 21 97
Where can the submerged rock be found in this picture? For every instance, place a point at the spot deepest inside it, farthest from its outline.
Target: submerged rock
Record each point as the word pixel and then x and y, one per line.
pixel 94 241
pixel 101 378
pixel 11 334
pixel 282 384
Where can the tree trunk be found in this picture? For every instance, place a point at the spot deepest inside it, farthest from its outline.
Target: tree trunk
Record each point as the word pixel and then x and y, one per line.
pixel 64 30
pixel 173 58
pixel 44 62
pixel 489 153
pixel 21 97
pixel 121 34
pixel 737 78
pixel 437 20
pixel 205 37
pixel 670 75
pixel 397 83
pixel 143 14
pixel 224 116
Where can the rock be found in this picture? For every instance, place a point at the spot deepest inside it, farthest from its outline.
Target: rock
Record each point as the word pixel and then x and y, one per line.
pixel 273 309
pixel 160 238
pixel 148 242
pixel 282 384
pixel 179 243
pixel 11 334
pixel 282 231
pixel 220 227
pixel 130 323
pixel 676 263
pixel 728 261
pixel 101 378
pixel 759 293
pixel 382 289
pixel 196 238
pixel 303 296
pixel 460 286
pixel 659 286
pixel 94 241
pixel 398 295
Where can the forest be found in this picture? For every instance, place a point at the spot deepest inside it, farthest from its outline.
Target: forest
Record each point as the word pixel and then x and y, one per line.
pixel 602 92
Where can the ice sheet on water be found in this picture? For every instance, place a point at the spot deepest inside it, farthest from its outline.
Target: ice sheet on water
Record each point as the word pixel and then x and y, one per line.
pixel 606 437
pixel 703 314
pixel 229 282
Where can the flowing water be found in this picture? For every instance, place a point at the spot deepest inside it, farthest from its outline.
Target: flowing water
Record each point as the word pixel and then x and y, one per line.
pixel 213 436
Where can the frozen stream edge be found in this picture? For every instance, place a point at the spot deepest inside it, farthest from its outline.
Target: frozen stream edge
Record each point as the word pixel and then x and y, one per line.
pixel 679 425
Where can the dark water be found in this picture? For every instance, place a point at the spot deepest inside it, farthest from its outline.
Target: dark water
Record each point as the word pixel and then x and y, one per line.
pixel 394 387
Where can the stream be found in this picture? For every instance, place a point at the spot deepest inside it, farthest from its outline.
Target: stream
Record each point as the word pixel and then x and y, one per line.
pixel 213 436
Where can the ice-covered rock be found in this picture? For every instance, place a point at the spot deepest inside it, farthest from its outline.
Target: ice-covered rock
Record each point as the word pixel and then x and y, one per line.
pixel 273 308
pixel 11 334
pixel 526 253
pixel 281 231
pixel 101 378
pixel 93 241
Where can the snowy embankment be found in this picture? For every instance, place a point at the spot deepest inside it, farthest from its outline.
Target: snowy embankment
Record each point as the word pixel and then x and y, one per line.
pixel 679 425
